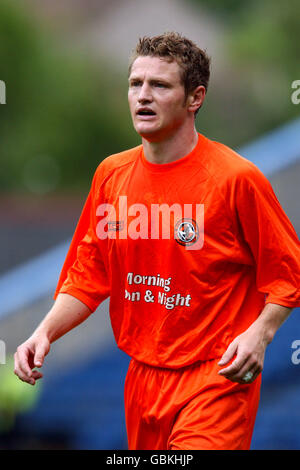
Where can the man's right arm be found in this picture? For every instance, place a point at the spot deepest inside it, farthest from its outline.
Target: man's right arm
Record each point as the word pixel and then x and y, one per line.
pixel 67 312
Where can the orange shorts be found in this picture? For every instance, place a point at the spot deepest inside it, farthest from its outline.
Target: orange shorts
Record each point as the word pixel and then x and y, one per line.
pixel 188 408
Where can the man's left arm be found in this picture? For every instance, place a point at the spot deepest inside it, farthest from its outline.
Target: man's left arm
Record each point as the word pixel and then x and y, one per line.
pixel 250 346
pixel 265 228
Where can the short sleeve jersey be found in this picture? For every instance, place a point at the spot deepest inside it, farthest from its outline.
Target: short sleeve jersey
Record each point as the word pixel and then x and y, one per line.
pixel 189 252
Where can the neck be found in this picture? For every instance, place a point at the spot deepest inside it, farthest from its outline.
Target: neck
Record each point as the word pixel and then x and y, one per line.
pixel 172 148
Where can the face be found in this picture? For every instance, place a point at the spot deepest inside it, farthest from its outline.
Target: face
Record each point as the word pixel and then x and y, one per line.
pixel 156 98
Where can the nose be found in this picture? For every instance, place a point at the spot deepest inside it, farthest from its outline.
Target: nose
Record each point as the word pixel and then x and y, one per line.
pixel 145 95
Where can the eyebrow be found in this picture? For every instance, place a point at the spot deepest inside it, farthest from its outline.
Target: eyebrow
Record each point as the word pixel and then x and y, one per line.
pixel 152 80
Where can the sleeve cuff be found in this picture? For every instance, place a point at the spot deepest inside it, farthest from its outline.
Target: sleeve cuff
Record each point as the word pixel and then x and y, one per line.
pixel 283 302
pixel 90 303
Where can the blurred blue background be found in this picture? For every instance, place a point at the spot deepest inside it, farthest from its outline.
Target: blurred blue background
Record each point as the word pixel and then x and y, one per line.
pixel 64 64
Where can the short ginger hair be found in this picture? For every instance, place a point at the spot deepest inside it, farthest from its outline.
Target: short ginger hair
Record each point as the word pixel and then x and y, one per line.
pixel 194 63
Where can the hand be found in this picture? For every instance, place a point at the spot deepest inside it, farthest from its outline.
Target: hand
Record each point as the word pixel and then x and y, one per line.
pixel 249 348
pixel 29 355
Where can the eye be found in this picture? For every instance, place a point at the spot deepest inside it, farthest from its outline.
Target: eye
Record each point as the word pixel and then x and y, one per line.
pixel 135 84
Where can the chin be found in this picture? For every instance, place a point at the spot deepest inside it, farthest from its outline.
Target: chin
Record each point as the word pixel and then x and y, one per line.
pixel 151 136
pixel 146 132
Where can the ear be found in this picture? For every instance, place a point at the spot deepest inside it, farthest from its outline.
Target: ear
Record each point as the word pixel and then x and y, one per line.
pixel 196 98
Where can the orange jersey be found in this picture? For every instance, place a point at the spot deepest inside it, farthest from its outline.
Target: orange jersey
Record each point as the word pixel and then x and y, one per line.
pixel 187 251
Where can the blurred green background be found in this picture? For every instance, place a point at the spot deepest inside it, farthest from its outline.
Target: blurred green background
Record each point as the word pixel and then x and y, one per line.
pixel 61 110
pixel 67 110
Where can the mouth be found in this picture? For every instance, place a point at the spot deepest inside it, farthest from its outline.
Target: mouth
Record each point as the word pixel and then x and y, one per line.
pixel 145 113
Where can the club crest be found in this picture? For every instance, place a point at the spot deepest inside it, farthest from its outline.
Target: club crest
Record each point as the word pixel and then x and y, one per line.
pixel 186 231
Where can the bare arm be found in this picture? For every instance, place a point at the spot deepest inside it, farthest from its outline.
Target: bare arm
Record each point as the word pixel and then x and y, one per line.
pixel 67 312
pixel 250 346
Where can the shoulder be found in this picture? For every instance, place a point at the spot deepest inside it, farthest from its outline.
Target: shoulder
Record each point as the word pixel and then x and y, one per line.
pixel 229 168
pixel 116 161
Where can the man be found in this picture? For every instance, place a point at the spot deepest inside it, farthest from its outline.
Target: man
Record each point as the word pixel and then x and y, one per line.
pixel 199 260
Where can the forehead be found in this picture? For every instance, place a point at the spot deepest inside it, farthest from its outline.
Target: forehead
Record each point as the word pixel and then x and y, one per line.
pixel 155 67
